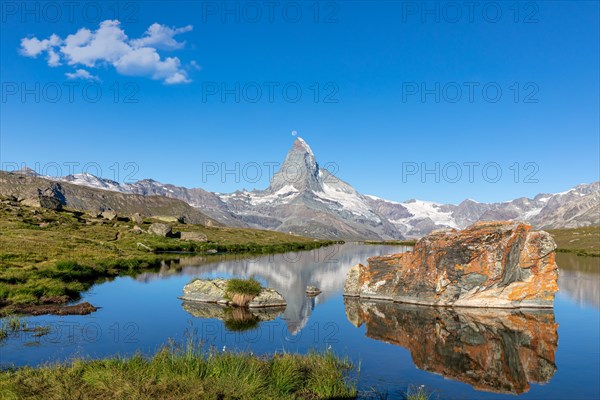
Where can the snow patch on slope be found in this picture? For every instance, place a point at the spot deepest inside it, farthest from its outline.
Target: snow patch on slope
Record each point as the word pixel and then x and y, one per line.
pixel 346 196
pixel 380 199
pixel 282 196
pixel 92 181
pixel 428 209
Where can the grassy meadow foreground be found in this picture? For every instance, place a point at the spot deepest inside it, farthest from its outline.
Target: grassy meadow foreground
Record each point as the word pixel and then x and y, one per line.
pixel 50 257
pixel 186 373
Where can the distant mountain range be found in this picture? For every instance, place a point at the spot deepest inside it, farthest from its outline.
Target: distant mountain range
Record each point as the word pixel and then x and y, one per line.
pixel 579 206
pixel 316 203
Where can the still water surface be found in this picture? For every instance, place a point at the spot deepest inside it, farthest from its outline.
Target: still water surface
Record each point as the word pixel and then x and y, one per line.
pixel 460 354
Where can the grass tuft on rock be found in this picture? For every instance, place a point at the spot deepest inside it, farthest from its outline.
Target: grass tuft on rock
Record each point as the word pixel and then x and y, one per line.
pixel 249 287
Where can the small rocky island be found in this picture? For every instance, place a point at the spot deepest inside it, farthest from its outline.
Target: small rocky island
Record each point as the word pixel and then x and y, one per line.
pixel 241 304
pixel 232 292
pixel 490 264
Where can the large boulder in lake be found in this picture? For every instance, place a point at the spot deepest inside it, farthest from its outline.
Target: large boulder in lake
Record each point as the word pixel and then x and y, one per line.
pixel 490 264
pixel 267 298
pixel 205 290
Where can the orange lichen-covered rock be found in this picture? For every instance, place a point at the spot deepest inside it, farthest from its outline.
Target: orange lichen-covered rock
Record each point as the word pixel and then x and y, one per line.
pixel 489 264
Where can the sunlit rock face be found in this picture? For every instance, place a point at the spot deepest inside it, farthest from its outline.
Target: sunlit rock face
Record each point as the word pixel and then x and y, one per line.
pixel 490 264
pixel 500 351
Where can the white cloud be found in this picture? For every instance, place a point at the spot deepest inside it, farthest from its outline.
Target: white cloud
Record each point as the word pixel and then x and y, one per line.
pixel 195 65
pixel 82 74
pixel 109 45
pixel 33 47
pixel 161 37
pixel 177 78
pixel 145 61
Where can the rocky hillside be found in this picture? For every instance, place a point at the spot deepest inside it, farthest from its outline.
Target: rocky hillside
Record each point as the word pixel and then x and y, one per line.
pixel 30 189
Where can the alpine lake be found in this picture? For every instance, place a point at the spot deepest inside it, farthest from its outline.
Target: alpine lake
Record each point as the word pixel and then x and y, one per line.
pixel 454 353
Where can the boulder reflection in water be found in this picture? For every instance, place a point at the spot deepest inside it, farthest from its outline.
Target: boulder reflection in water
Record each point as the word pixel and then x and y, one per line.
pixel 490 349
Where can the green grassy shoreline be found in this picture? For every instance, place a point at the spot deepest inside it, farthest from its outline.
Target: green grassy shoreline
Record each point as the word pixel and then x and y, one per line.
pixel 193 372
pixel 581 241
pixel 186 373
pixel 50 257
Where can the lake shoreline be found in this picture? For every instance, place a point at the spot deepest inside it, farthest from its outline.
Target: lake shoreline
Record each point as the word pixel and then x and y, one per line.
pixel 51 257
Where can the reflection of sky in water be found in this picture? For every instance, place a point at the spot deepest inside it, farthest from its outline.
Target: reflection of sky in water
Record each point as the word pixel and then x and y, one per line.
pixel 141 314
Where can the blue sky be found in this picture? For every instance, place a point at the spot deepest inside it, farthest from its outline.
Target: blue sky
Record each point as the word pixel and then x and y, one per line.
pixel 387 92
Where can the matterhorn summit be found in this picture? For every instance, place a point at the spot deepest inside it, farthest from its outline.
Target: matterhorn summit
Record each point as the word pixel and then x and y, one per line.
pixel 306 200
pixel 300 170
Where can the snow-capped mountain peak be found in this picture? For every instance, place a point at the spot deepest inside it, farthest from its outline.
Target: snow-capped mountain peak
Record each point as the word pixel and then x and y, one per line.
pixel 302 142
pixel 300 170
pixel 304 199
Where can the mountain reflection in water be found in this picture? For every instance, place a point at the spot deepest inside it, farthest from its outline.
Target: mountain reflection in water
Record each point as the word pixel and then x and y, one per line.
pixel 288 273
pixel 499 351
pixel 326 268
pixel 579 278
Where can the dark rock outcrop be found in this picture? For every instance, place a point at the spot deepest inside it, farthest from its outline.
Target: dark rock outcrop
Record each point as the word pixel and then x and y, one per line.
pixel 490 264
pixel 48 202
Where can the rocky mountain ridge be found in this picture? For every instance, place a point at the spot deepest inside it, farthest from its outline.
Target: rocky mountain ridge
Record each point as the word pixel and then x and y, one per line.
pixel 577 207
pixel 308 200
pixel 29 188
